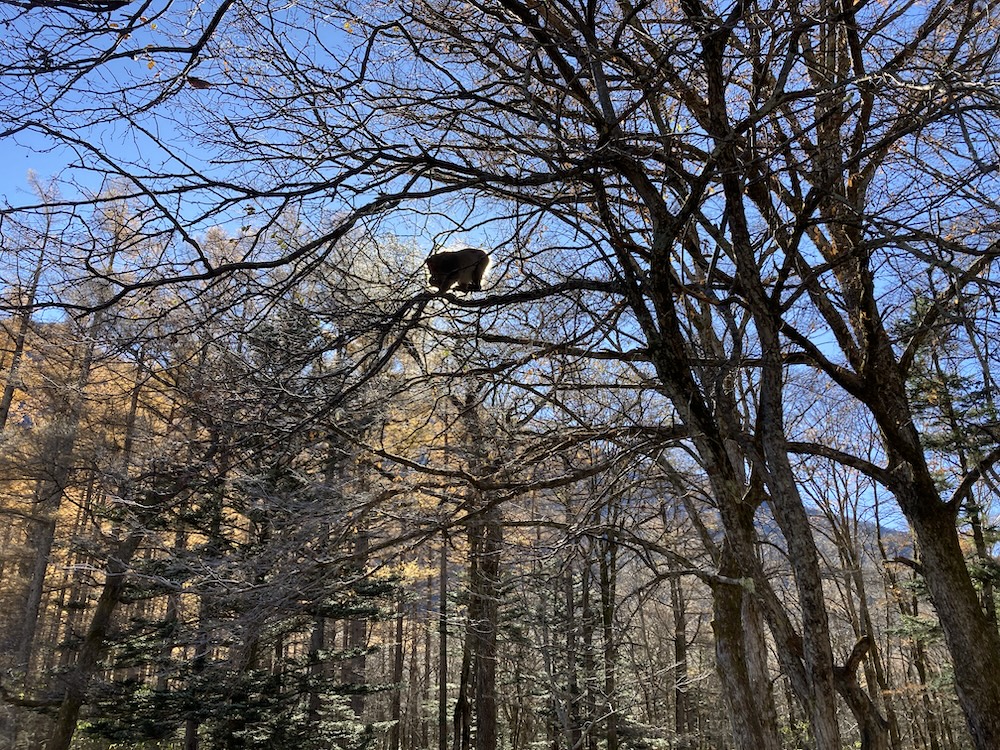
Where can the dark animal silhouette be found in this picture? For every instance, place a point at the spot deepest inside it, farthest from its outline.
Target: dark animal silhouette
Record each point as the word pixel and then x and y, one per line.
pixel 462 270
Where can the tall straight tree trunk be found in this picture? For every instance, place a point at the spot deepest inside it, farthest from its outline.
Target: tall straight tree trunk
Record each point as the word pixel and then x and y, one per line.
pixel 442 677
pixel 356 636
pixel 42 538
pixel 20 339
pixel 78 678
pixel 608 568
pixel 476 703
pixel 682 704
pixel 317 643
pixel 425 693
pixel 487 589
pixel 574 732
pixel 396 709
pixel 462 725
pixel 477 691
pixel 49 497
pixel 589 624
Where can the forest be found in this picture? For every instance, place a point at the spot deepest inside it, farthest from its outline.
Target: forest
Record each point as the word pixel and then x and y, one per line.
pixel 708 460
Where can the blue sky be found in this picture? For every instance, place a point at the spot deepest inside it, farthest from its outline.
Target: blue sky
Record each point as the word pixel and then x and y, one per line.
pixel 21 154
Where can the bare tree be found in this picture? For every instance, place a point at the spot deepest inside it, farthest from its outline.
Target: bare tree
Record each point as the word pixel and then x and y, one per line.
pixel 734 192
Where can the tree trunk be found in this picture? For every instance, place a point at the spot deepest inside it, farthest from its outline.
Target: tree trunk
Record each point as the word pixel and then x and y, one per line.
pixel 425 693
pixel 574 730
pixel 485 546
pixel 356 636
pixel 462 724
pixel 608 560
pixel 986 559
pixel 20 339
pixel 804 558
pixel 682 704
pixel 477 692
pixel 488 590
pixel 93 644
pixel 775 469
pixel 758 672
pixel 317 643
pixel 43 537
pixel 587 622
pixel 443 644
pixel 930 719
pixel 731 665
pixel 875 673
pixel 970 636
pixel 396 709
pixel 873 727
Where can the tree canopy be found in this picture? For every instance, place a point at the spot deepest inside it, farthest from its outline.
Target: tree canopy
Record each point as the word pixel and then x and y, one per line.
pixel 738 331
